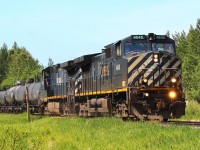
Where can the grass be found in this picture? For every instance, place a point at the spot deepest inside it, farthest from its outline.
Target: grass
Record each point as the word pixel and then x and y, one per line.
pixel 192 111
pixel 95 133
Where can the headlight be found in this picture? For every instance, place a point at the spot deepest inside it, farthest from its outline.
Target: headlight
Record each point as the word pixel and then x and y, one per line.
pixel 173 80
pixel 146 94
pixel 172 94
pixel 145 80
pixel 155 58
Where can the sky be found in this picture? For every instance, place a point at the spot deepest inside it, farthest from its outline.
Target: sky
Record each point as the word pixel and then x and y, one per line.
pixel 63 30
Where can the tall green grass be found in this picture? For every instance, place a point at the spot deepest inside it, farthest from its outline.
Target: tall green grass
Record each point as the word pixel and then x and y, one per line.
pixel 192 111
pixel 92 133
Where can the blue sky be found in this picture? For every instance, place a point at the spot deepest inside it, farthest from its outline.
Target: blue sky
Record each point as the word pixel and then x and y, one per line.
pixel 63 29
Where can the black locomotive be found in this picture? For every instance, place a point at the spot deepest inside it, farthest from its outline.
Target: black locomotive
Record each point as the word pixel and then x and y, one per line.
pixel 136 77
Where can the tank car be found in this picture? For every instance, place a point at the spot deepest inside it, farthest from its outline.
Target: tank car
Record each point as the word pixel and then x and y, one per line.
pixel 10 95
pixel 34 93
pixel 135 77
pixel 2 97
pixel 20 94
pixel 14 99
pixel 11 99
pixel 2 101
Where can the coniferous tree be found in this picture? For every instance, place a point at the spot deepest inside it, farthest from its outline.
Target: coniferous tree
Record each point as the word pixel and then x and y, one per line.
pixel 193 63
pixel 21 65
pixel 188 49
pixel 3 61
pixel 50 62
pixel 168 33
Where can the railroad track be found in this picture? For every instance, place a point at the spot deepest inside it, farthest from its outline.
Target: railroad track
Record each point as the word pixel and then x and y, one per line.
pixel 182 123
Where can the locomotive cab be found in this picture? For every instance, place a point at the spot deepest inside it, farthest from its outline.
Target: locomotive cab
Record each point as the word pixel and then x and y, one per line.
pixel 136 44
pixel 154 77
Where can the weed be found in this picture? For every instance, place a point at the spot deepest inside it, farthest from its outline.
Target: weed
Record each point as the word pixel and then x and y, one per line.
pixel 95 133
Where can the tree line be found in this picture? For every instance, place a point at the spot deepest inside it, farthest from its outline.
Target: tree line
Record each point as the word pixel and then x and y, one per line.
pixel 188 49
pixel 18 64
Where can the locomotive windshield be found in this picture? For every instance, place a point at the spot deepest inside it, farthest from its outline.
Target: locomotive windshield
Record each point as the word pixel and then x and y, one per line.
pixel 168 47
pixel 152 42
pixel 135 47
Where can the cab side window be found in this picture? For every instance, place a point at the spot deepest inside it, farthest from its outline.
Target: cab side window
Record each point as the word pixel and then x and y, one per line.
pixel 118 49
pixel 104 70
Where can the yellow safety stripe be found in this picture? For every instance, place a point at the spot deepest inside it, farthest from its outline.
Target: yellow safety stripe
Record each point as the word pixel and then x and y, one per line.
pixel 101 92
pixel 52 97
pixel 155 89
pixel 85 94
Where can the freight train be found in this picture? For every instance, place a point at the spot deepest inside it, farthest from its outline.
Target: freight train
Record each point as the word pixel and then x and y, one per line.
pixel 14 99
pixel 135 77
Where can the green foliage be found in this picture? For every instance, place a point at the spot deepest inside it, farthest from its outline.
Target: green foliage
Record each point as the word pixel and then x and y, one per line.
pixel 3 62
pixel 19 64
pixel 192 111
pixel 22 65
pixel 188 49
pixel 92 133
pixel 13 138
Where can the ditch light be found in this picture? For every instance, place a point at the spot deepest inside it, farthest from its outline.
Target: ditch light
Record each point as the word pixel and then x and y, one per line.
pixel 156 57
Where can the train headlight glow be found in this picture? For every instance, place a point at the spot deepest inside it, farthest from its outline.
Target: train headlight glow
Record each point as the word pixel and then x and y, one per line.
pixel 173 80
pixel 155 58
pixel 145 80
pixel 172 94
pixel 146 94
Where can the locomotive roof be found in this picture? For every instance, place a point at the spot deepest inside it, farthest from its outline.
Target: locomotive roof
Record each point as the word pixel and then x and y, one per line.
pixel 88 58
pixel 48 68
pixel 67 64
pixel 85 58
pixel 142 37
